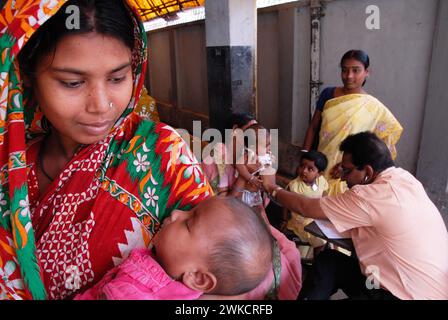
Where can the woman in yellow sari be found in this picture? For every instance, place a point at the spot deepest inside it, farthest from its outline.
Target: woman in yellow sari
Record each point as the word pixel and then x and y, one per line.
pixel 346 110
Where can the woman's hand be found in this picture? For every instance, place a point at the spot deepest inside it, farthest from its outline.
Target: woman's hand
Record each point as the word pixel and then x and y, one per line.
pixel 336 171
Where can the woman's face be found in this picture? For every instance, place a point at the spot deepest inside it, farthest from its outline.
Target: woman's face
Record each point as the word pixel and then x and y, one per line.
pixel 85 87
pixel 353 74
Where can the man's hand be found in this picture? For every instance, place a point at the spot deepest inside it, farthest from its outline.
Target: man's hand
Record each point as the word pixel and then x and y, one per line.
pixel 268 171
pixel 269 183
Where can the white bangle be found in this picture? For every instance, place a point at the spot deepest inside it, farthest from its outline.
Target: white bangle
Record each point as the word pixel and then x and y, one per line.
pixel 275 191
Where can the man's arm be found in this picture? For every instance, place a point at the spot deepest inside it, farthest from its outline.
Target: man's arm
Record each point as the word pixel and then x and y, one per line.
pixel 308 207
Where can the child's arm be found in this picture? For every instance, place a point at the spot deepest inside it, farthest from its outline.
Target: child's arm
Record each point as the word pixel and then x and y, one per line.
pixel 245 174
pixel 238 186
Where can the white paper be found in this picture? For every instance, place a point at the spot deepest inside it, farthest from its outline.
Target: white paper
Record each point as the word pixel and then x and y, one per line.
pixel 330 231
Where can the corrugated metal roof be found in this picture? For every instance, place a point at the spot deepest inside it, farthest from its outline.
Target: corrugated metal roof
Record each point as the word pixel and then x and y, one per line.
pixel 150 9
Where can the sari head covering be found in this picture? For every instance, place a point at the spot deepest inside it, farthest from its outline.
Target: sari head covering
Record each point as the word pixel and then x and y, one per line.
pixel 351 114
pixel 109 199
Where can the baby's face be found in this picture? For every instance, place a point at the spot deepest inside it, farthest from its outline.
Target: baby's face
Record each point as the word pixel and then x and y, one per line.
pixel 184 240
pixel 308 171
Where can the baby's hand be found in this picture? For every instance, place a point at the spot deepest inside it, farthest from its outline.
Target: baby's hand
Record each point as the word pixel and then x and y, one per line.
pixel 256 182
pixel 253 167
pixel 335 172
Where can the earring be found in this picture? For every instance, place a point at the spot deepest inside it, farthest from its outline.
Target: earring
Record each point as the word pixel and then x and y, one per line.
pixel 366 178
pixel 111 105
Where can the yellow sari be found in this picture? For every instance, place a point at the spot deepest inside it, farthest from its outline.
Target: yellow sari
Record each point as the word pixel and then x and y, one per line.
pixel 351 114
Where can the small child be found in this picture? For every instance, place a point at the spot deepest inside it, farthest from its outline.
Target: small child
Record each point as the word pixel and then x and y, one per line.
pixel 219 165
pixel 219 247
pixel 256 157
pixel 309 182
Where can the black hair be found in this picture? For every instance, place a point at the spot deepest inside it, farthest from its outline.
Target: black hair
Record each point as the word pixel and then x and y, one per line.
pixel 358 55
pixel 320 160
pixel 255 128
pixel 106 17
pixel 367 149
pixel 238 119
pixel 241 259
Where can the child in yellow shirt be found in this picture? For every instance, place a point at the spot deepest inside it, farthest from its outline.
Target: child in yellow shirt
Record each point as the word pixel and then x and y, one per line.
pixel 309 182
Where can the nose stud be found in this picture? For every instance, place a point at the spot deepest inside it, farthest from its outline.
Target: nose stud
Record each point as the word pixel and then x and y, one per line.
pixel 111 105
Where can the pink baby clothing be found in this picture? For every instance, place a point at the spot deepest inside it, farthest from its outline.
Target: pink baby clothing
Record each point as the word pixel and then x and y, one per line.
pixel 139 277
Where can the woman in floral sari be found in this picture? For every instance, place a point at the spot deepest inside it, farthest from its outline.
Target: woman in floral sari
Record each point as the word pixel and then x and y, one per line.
pixel 346 110
pixel 84 179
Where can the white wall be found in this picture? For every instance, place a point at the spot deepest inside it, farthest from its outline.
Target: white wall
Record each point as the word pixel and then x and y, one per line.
pixel 400 54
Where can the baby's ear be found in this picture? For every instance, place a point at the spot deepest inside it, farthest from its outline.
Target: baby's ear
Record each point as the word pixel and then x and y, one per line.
pixel 200 281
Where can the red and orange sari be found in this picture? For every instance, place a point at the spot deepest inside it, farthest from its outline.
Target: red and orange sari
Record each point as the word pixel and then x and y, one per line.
pixel 110 198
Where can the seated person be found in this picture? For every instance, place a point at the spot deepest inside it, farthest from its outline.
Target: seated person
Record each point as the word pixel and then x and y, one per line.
pixel 400 238
pixel 309 182
pixel 220 247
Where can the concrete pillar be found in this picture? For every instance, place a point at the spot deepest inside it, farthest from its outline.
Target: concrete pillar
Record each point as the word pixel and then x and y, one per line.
pixel 432 166
pixel 231 34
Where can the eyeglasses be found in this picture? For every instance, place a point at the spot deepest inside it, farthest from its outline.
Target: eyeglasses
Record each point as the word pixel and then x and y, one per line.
pixel 347 171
